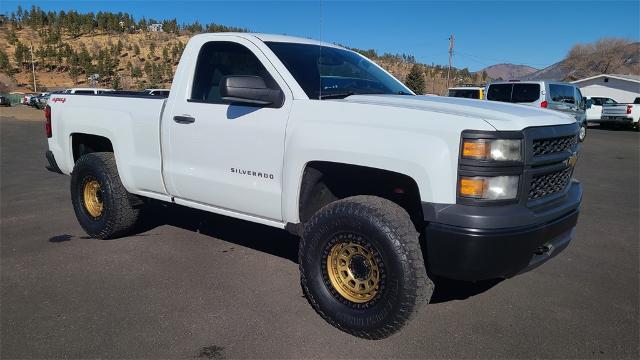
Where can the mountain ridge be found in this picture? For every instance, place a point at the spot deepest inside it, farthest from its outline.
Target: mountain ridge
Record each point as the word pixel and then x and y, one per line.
pixel 507 71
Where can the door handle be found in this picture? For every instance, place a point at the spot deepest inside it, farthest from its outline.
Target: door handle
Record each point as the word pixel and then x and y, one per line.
pixel 184 119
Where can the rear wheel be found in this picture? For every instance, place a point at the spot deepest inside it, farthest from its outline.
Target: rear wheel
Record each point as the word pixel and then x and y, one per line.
pixel 362 268
pixel 102 205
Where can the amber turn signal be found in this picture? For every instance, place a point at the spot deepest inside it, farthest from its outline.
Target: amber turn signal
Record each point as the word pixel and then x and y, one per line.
pixel 475 149
pixel 472 187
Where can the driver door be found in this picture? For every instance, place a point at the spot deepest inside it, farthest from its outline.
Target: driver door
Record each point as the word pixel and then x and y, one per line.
pixel 221 154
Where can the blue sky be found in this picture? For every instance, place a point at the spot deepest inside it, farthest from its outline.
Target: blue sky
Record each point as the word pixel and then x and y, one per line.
pixel 535 33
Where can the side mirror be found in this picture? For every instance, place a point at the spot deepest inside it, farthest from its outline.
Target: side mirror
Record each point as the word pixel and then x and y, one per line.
pixel 587 103
pixel 246 89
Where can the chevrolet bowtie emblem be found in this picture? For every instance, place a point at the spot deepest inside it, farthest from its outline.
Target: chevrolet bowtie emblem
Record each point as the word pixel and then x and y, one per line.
pixel 572 160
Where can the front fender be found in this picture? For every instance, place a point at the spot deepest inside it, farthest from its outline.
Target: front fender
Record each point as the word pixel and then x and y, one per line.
pixel 404 141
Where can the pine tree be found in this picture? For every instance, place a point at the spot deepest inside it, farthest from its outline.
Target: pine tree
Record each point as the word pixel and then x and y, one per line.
pixel 74 67
pixel 165 54
pixel 5 66
pixel 415 79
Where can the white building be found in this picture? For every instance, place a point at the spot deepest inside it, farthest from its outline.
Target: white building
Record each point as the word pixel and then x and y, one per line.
pixel 154 27
pixel 621 88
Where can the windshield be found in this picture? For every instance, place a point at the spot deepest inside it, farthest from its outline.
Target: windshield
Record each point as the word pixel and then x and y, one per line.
pixel 326 72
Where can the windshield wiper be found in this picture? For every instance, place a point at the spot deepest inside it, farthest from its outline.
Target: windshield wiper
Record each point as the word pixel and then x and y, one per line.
pixel 343 95
pixel 336 95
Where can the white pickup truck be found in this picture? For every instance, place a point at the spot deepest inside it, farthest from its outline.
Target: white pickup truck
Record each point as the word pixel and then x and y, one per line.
pixel 621 114
pixel 385 188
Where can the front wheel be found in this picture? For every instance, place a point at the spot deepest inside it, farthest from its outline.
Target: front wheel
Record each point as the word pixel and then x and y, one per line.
pixel 101 203
pixel 583 132
pixel 362 268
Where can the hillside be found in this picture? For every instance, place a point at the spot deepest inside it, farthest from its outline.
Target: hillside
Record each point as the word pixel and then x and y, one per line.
pixel 147 60
pixel 508 71
pixel 116 51
pixel 606 56
pixel 552 72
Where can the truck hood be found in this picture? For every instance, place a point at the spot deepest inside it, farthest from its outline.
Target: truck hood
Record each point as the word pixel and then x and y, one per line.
pixel 501 116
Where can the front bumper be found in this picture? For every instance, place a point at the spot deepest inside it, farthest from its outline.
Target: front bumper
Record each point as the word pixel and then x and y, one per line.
pixel 479 243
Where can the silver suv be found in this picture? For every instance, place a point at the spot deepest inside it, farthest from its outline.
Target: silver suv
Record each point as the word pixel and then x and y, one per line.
pixel 546 94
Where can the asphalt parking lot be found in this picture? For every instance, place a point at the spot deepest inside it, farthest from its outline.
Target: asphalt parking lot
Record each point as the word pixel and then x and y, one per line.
pixel 194 284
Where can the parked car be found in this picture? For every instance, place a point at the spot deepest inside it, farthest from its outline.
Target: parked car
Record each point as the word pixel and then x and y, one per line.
pixel 4 101
pixel 40 101
pixel 26 99
pixel 469 92
pixel 157 92
pixel 622 114
pixel 318 140
pixel 552 95
pixel 594 111
pixel 86 91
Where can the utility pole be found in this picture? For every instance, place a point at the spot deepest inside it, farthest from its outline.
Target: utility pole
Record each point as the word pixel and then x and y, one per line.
pixel 33 70
pixel 451 40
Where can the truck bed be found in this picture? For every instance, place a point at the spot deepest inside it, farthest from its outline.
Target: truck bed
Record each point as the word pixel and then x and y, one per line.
pixel 130 121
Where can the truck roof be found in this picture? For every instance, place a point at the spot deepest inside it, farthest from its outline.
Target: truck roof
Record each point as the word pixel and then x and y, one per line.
pixel 527 82
pixel 274 38
pixel 466 88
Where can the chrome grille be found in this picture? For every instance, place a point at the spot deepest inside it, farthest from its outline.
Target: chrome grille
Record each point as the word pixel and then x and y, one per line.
pixel 549 184
pixel 554 145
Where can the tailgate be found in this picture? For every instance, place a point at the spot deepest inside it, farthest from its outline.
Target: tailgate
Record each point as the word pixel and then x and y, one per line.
pixel 614 110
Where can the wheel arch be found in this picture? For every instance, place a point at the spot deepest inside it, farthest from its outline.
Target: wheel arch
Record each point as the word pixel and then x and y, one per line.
pixel 83 143
pixel 322 181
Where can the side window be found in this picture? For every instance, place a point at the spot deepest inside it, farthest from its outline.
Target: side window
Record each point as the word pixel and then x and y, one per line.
pixel 500 92
pixel 222 58
pixel 562 93
pixel 525 93
pixel 578 97
pixel 596 101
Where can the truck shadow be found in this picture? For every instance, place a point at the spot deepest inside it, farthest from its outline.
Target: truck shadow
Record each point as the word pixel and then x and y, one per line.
pixel 251 235
pixel 449 290
pixel 276 242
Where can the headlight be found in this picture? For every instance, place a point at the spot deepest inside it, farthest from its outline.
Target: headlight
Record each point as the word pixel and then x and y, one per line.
pixel 492 149
pixel 489 187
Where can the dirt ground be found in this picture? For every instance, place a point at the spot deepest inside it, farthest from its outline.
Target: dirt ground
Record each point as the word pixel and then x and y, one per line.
pixel 22 113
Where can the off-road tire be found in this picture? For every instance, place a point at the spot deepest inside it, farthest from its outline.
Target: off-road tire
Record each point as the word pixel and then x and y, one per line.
pixel 386 227
pixel 119 216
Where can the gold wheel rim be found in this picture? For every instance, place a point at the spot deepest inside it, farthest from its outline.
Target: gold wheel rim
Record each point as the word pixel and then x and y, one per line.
pixel 93 198
pixel 353 272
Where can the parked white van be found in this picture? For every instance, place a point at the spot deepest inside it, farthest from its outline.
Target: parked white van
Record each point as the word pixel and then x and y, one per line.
pixel 553 95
